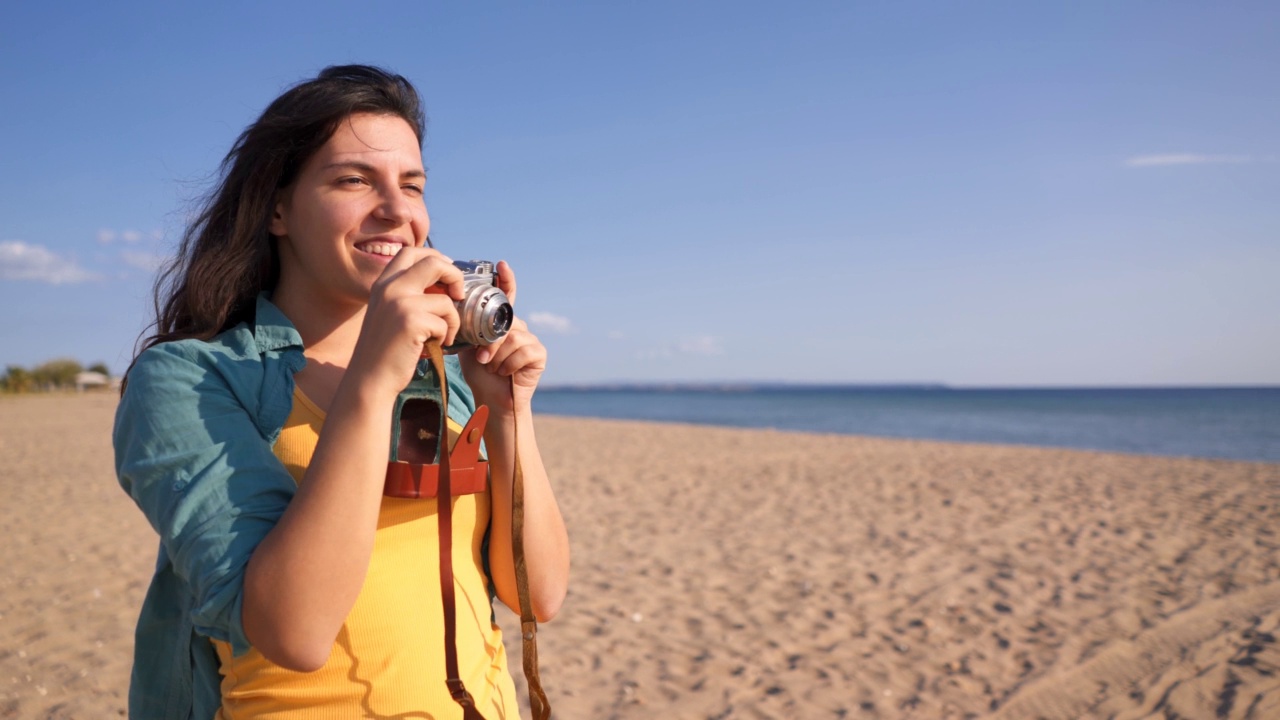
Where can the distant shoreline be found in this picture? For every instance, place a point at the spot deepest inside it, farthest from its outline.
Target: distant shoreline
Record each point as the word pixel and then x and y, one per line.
pixel 872 387
pixel 731 387
pixel 1240 423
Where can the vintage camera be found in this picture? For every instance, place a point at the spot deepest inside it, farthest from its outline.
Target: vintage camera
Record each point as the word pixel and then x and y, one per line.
pixel 484 312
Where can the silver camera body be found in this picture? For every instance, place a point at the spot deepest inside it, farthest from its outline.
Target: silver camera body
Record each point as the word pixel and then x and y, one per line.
pixel 484 312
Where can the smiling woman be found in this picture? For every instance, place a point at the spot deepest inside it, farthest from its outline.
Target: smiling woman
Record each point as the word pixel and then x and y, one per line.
pixel 355 204
pixel 254 433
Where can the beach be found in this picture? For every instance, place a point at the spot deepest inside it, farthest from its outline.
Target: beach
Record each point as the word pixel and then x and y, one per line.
pixel 730 573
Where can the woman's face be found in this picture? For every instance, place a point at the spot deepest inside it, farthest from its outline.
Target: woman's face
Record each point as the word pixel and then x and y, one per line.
pixel 355 203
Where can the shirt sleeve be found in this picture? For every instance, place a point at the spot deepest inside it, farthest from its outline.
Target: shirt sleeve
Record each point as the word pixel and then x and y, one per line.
pixel 193 459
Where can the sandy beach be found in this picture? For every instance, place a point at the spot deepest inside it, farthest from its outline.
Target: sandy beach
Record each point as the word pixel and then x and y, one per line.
pixel 724 573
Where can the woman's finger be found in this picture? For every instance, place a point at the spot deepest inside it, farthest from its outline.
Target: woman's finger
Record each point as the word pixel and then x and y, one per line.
pixel 494 352
pixel 532 356
pixel 507 280
pixel 427 269
pixel 513 344
pixel 403 260
pixel 425 316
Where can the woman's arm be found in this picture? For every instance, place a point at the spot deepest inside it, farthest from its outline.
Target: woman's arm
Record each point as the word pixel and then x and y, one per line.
pixel 504 377
pixel 304 577
pixel 546 543
pixel 194 460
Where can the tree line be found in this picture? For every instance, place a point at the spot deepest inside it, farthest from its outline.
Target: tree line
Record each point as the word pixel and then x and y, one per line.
pixel 59 374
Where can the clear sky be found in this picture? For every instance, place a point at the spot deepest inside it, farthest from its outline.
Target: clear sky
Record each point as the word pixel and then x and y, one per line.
pixel 975 193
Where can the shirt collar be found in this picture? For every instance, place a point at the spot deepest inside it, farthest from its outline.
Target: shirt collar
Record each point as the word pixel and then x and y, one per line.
pixel 272 330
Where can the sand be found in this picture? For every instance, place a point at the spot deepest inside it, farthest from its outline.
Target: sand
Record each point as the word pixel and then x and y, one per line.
pixel 726 573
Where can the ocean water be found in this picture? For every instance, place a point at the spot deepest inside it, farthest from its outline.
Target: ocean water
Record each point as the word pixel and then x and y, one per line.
pixel 1232 423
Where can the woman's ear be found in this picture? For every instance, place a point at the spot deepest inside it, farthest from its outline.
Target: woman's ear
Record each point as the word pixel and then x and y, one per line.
pixel 278 226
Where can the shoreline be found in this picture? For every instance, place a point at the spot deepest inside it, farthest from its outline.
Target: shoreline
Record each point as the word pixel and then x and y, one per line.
pixel 896 438
pixel 830 433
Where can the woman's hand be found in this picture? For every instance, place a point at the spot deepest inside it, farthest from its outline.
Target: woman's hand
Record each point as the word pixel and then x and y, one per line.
pixel 519 356
pixel 402 316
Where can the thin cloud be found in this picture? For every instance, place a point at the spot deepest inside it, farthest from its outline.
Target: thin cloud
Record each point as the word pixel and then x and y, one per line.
pixel 24 261
pixel 1188 159
pixel 702 345
pixel 143 260
pixel 551 322
pixel 106 236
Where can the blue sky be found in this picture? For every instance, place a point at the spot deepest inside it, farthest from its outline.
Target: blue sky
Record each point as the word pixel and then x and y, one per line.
pixel 975 193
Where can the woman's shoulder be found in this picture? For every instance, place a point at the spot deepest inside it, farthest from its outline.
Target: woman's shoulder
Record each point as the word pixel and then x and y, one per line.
pixel 264 335
pixel 236 341
pixel 203 387
pixel 177 373
pixel 181 361
pixel 233 353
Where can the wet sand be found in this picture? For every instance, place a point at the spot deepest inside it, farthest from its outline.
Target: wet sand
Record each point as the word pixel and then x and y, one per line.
pixel 724 573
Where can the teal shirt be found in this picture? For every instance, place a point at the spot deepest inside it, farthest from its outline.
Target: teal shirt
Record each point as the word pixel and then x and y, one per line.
pixel 193 440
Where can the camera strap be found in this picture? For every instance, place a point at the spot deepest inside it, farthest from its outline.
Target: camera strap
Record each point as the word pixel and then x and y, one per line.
pixel 528 622
pixel 538 704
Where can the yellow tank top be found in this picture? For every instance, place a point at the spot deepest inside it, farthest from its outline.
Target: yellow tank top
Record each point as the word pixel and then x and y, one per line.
pixel 388 660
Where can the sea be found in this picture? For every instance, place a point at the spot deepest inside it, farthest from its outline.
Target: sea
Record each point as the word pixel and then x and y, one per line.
pixel 1238 423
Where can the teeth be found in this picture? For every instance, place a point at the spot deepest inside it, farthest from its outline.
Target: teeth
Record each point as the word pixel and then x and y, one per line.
pixel 378 248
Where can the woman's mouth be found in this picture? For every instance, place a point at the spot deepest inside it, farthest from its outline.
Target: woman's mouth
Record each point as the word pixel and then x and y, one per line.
pixel 374 247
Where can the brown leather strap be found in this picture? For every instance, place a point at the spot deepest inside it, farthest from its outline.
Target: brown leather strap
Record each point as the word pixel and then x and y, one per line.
pixel 444 498
pixel 539 706
pixel 528 621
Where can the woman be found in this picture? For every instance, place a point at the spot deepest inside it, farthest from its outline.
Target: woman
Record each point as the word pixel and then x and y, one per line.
pixel 254 428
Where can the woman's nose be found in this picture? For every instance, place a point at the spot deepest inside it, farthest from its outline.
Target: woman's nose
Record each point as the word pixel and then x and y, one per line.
pixel 394 208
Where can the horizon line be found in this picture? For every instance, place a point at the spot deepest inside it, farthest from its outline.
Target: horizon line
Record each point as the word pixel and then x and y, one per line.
pixel 722 385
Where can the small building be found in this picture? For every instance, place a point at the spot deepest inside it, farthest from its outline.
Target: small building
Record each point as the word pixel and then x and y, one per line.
pixel 91 381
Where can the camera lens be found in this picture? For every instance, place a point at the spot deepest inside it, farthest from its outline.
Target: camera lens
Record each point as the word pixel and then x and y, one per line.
pixel 500 321
pixel 486 315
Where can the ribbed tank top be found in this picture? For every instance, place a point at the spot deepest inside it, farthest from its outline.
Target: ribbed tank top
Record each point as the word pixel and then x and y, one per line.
pixel 388 659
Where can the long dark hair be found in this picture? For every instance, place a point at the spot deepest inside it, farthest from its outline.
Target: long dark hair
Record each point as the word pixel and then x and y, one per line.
pixel 227 256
